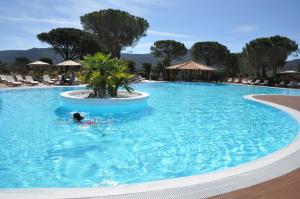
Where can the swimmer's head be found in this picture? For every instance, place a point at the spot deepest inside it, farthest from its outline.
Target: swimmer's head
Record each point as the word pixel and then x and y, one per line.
pixel 77 117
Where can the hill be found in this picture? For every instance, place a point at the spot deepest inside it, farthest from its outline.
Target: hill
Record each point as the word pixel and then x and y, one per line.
pixel 37 53
pixel 34 54
pixel 293 65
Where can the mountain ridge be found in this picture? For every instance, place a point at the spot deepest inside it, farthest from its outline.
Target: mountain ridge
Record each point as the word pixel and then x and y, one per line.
pixel 34 54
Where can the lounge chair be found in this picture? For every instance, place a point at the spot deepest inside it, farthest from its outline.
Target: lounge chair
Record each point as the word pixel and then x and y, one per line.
pixel 292 84
pixel 229 80
pixel 20 78
pixel 236 80
pixel 11 81
pixel 47 79
pixel 298 85
pixel 256 82
pixel 58 81
pixel 265 83
pixel 140 78
pixel 250 81
pixel 281 84
pixel 245 81
pixel 29 80
pixel 3 79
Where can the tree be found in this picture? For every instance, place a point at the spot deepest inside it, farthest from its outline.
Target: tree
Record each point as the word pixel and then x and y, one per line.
pixel 131 66
pixel 168 50
pixel 70 43
pixel 89 45
pixel 281 48
pixel 2 65
pixel 105 74
pixel 269 53
pixel 147 67
pixel 258 54
pixel 210 52
pixel 114 29
pixel 20 64
pixel 47 60
pixel 232 63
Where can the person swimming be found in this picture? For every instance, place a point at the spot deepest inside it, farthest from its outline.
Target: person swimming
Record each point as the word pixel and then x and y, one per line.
pixel 77 117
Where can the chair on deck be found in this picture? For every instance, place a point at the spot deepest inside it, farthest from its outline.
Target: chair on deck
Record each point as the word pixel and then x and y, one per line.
pixel 3 79
pixel 245 81
pixel 256 82
pixel 29 80
pixel 47 80
pixel 292 84
pixel 281 84
pixel 265 83
pixel 11 81
pixel 20 78
pixel 236 80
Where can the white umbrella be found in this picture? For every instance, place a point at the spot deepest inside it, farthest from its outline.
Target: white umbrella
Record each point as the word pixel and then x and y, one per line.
pixel 38 63
pixel 69 63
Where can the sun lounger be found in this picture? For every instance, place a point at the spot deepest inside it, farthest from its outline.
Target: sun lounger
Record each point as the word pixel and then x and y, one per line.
pixel 30 80
pixel 256 82
pixel 20 78
pixel 265 83
pixel 245 81
pixel 3 79
pixel 236 80
pixel 292 84
pixel 47 79
pixel 229 80
pixel 281 84
pixel 140 78
pixel 11 81
pixel 249 81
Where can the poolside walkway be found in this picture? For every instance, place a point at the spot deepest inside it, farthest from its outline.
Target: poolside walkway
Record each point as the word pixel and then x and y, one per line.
pixel 284 187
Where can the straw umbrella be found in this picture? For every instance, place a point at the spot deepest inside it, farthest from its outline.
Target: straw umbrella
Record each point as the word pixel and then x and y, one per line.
pixel 69 63
pixel 38 65
pixel 190 69
pixel 289 74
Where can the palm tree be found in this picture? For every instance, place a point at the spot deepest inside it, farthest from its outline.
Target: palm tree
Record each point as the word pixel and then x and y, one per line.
pixel 105 74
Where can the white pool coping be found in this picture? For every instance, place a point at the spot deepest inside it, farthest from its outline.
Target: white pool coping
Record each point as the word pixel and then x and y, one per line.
pixel 78 96
pixel 271 166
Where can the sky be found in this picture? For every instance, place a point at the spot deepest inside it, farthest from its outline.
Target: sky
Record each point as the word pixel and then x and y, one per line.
pixel 229 22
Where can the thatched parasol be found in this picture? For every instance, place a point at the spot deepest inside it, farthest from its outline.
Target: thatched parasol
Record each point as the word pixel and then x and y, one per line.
pixel 38 63
pixel 189 70
pixel 190 65
pixel 69 63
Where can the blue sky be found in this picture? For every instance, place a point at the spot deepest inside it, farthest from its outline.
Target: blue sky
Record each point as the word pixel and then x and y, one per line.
pixel 230 22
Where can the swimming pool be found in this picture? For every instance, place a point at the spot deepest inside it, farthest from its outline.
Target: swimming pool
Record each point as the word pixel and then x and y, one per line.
pixel 187 129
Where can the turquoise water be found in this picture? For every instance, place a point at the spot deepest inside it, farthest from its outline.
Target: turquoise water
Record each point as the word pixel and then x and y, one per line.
pixel 187 129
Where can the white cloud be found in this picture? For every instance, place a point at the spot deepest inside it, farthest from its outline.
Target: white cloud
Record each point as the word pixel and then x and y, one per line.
pixel 245 29
pixel 40 20
pixel 167 34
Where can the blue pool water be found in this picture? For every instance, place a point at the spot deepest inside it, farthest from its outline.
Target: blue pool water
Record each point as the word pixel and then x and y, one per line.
pixel 187 129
